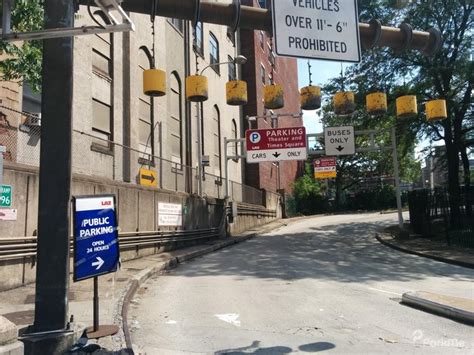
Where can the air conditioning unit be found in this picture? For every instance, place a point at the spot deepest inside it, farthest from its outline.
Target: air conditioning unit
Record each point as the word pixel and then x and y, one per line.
pixel 34 121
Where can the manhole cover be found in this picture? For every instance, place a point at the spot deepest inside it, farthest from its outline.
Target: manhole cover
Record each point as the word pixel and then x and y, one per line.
pixel 20 318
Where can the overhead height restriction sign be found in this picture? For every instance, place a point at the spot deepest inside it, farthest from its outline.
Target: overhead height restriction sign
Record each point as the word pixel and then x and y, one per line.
pixel 317 29
pixel 276 144
pixel 339 140
pixel 96 248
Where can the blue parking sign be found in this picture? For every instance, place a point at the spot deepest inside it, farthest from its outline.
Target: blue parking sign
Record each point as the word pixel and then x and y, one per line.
pixel 96 247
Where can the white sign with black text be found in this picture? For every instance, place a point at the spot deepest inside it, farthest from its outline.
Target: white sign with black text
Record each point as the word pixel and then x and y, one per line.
pixel 319 29
pixel 170 214
pixel 339 140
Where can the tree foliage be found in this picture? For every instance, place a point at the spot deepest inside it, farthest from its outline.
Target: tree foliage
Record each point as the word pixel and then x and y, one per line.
pixel 22 62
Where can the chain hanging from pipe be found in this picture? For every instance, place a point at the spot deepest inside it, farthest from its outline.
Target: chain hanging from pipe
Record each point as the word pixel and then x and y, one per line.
pixel 273 94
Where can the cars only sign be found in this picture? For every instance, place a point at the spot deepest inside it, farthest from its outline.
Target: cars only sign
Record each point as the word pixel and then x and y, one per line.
pixel 276 144
pixel 320 29
pixel 96 248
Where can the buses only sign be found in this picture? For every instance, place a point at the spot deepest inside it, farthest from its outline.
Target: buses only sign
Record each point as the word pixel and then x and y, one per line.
pixel 276 144
pixel 319 29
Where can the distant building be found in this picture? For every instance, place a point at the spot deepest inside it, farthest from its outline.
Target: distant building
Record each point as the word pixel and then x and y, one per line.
pixel 257 47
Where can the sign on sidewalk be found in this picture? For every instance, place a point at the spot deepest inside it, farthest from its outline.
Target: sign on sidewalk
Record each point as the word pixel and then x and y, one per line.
pixel 339 140
pixel 96 248
pixel 5 196
pixel 317 29
pixel 276 144
pixel 325 168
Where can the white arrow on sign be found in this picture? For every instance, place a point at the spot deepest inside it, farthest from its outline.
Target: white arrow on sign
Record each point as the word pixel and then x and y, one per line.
pixel 98 263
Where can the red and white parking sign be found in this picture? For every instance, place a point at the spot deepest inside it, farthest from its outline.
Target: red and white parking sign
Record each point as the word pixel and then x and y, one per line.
pixel 276 144
pixel 325 168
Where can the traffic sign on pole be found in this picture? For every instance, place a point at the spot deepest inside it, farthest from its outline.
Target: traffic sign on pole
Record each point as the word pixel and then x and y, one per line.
pixel 2 150
pixel 326 30
pixel 339 140
pixel 325 168
pixel 96 249
pixel 276 144
pixel 148 177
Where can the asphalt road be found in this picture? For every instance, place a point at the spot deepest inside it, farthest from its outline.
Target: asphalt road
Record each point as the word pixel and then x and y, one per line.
pixel 317 285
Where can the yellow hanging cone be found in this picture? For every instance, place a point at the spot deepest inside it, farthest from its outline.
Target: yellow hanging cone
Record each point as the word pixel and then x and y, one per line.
pixel 196 88
pixel 236 92
pixel 344 103
pixel 376 103
pixel 154 82
pixel 436 110
pixel 310 97
pixel 407 106
pixel 273 96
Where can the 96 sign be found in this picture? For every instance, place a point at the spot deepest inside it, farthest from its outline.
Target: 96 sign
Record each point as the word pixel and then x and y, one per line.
pixel 5 196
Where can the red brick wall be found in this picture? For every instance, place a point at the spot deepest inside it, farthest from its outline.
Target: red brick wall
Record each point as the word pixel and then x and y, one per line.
pixel 265 175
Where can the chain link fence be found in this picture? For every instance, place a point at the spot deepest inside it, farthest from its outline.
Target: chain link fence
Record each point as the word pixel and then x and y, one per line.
pixel 20 133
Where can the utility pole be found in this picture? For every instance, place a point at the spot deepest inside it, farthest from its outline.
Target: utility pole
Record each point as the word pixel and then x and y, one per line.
pixel 52 270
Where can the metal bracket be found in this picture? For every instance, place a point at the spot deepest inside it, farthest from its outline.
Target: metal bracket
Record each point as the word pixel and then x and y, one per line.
pixel 408 33
pixel 107 7
pixel 376 26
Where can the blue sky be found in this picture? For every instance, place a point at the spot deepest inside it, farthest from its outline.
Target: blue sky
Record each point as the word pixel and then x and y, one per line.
pixel 321 71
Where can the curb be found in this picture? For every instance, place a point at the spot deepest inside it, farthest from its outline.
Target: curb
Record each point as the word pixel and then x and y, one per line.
pixel 429 256
pixel 416 299
pixel 137 280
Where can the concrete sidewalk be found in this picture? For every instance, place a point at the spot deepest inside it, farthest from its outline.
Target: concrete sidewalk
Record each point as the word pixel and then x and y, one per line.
pixel 115 290
pixel 459 309
pixel 429 249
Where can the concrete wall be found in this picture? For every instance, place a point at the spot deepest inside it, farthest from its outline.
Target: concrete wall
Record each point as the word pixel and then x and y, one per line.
pixel 137 211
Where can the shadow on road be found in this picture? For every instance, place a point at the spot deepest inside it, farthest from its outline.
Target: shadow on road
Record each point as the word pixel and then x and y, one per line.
pixel 342 252
pixel 255 348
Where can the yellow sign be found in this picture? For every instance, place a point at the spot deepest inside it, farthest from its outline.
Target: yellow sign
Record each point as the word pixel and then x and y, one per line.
pixel 148 178
pixel 325 174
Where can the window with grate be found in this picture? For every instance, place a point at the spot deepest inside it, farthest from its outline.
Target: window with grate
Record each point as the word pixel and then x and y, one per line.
pixel 176 122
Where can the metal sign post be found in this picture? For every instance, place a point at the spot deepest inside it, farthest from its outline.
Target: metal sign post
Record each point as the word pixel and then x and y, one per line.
pixel 96 249
pixel 2 150
pixel 372 147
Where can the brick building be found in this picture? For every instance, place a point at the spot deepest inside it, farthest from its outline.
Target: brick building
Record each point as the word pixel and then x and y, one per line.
pixel 257 47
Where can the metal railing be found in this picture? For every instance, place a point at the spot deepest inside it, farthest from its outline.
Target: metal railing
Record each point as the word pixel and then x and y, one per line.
pixel 25 247
pixel 20 133
pixel 431 215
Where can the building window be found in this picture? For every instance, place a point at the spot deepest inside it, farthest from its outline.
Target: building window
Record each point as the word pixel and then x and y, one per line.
pixel 262 40
pixel 177 23
pixel 263 75
pixel 101 123
pixel 176 122
pixel 214 52
pixel 102 69
pixel 216 163
pixel 198 39
pixel 271 57
pixel 145 116
pixel 231 35
pixel 231 68
pixel 262 3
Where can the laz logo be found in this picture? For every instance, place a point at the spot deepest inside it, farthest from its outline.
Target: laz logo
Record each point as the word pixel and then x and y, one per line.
pixel 106 203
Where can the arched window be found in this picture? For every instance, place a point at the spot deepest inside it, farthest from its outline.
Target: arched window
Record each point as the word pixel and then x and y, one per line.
pixel 145 115
pixel 176 122
pixel 216 123
pixel 214 52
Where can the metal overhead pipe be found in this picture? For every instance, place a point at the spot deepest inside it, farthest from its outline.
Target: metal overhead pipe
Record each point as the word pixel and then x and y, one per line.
pixel 372 34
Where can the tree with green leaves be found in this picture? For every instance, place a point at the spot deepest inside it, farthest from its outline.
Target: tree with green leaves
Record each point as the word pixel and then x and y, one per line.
pixel 448 75
pixel 22 61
